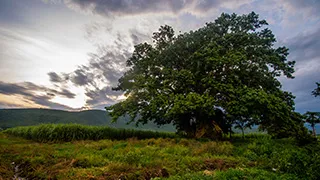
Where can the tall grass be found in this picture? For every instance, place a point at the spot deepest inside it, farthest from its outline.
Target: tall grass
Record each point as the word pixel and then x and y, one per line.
pixel 259 135
pixel 72 132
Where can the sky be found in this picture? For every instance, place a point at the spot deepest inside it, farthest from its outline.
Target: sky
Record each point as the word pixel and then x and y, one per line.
pixel 68 54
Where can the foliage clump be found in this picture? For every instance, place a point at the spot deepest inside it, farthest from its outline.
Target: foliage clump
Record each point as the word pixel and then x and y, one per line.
pixel 312 118
pixel 316 91
pixel 206 80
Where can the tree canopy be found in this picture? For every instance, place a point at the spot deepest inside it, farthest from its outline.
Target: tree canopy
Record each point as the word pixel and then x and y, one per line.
pixel 201 80
pixel 312 118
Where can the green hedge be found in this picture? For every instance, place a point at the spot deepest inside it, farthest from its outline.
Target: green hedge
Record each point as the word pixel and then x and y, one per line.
pixel 72 132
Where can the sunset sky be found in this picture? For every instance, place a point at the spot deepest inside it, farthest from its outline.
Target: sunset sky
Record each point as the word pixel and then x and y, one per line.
pixel 67 54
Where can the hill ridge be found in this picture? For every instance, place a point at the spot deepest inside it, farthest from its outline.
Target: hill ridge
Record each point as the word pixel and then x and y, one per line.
pixel 34 116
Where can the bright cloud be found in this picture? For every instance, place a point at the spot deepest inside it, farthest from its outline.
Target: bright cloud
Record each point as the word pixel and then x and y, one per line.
pixel 68 54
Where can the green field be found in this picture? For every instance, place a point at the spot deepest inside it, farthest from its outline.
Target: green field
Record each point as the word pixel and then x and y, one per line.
pixel 255 157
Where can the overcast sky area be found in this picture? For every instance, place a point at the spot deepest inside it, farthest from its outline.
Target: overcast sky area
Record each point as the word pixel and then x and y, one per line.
pixel 67 54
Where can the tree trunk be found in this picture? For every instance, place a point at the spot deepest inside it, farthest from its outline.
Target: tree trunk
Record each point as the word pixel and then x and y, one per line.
pixel 314 131
pixel 242 129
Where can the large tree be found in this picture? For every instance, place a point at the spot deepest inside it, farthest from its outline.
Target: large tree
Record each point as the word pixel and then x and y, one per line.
pixel 312 118
pixel 228 68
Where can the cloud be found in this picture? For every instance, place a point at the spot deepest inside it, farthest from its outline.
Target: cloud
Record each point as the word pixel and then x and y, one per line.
pixel 206 4
pixel 28 89
pixel 124 23
pixel 305 46
pixel 55 78
pixel 124 7
pixel 309 7
pixel 138 37
pixel 98 76
pixel 115 8
pixel 81 77
pixel 104 68
pixel 304 50
pixel 35 94
pixel 102 97
pixel 66 93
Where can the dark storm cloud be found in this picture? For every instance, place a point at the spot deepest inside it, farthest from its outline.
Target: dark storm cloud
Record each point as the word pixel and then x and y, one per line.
pixel 28 89
pixel 206 5
pixel 66 93
pixel 81 77
pixel 37 94
pixel 301 87
pixel 125 7
pixel 136 7
pixel 101 96
pixel 304 49
pixel 109 65
pixel 9 89
pixel 114 8
pixel 55 78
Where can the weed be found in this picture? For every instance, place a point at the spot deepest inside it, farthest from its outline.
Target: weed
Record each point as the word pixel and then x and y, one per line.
pixel 258 157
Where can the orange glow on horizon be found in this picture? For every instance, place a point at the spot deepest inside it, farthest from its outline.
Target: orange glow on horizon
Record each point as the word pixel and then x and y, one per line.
pixel 16 101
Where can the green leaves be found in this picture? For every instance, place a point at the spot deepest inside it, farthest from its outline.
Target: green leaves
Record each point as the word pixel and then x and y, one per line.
pixel 312 118
pixel 229 64
pixel 316 91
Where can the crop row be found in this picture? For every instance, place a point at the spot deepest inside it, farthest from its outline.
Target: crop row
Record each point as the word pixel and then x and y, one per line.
pixel 72 132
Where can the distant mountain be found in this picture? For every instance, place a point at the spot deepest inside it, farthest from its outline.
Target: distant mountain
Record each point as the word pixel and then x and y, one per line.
pixel 27 117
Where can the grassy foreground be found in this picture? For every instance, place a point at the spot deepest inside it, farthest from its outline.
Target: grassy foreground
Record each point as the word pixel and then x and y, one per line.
pixel 256 157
